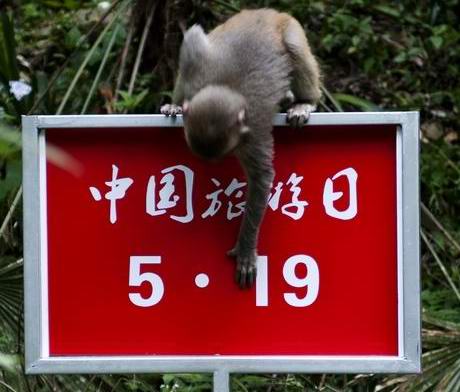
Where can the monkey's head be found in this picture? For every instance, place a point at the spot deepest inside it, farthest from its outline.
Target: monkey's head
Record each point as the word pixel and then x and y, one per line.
pixel 215 121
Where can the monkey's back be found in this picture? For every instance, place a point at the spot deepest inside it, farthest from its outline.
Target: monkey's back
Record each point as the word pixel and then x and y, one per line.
pixel 247 54
pixel 262 24
pixel 252 43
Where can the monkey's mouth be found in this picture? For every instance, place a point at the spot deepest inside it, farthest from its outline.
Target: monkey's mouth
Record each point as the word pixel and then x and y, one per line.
pixel 211 152
pixel 211 158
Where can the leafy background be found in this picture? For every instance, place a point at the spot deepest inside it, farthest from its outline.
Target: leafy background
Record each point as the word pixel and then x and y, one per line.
pixel 120 56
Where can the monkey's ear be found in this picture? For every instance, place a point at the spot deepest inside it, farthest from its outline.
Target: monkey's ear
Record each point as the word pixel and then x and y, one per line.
pixel 241 116
pixel 244 129
pixel 241 119
pixel 185 107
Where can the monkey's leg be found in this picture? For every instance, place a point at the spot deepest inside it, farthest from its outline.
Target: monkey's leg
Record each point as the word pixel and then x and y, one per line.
pixel 306 75
pixel 257 162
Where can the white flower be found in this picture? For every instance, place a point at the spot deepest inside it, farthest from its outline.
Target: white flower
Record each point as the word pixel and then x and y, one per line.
pixel 103 5
pixel 19 89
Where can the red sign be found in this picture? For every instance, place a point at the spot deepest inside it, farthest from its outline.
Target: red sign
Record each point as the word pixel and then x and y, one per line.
pixel 137 242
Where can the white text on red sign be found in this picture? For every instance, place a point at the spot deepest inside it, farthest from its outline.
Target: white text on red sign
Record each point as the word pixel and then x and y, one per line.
pixel 162 197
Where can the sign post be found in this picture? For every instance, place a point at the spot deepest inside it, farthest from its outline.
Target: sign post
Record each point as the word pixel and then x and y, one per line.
pixel 126 234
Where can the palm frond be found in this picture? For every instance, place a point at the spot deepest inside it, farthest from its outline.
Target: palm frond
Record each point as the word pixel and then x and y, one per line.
pixel 10 293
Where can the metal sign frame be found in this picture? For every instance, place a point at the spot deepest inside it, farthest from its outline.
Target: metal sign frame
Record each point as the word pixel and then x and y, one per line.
pixel 38 359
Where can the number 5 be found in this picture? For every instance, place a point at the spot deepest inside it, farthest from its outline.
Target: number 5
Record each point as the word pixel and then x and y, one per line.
pixel 136 278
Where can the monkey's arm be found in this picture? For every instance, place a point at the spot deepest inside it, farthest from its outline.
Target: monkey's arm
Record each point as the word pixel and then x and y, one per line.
pixel 175 107
pixel 306 79
pixel 257 162
pixel 178 93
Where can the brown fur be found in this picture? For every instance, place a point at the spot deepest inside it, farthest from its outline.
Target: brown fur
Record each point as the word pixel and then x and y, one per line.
pixel 245 66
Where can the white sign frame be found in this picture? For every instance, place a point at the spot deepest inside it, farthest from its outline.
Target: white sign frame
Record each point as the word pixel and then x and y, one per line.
pixel 38 359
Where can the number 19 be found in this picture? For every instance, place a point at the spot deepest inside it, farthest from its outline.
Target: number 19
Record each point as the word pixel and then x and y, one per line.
pixel 310 281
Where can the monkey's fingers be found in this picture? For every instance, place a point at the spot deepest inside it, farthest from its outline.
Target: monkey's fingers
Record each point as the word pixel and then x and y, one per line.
pixel 175 110
pixel 245 274
pixel 291 118
pixel 165 109
pixel 171 110
pixel 298 115
pixel 296 118
pixel 251 276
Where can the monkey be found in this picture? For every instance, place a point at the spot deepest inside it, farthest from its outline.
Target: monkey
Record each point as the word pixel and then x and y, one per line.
pixel 229 86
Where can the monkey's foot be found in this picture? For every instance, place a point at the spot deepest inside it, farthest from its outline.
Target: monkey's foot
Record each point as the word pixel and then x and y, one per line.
pixel 298 115
pixel 171 110
pixel 246 268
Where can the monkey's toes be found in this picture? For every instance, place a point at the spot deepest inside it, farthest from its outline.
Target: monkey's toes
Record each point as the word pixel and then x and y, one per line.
pixel 171 110
pixel 246 271
pixel 298 115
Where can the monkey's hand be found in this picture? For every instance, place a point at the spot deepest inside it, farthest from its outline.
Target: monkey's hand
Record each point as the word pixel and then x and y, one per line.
pixel 171 110
pixel 298 115
pixel 246 268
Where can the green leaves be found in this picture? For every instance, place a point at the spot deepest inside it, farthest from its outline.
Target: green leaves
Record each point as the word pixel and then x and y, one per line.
pixel 9 362
pixel 10 141
pixel 59 4
pixel 73 37
pixel 436 41
pixel 8 64
pixel 88 57
pixel 356 102
pixel 9 70
pixel 10 293
pixel 394 10
pixel 130 101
